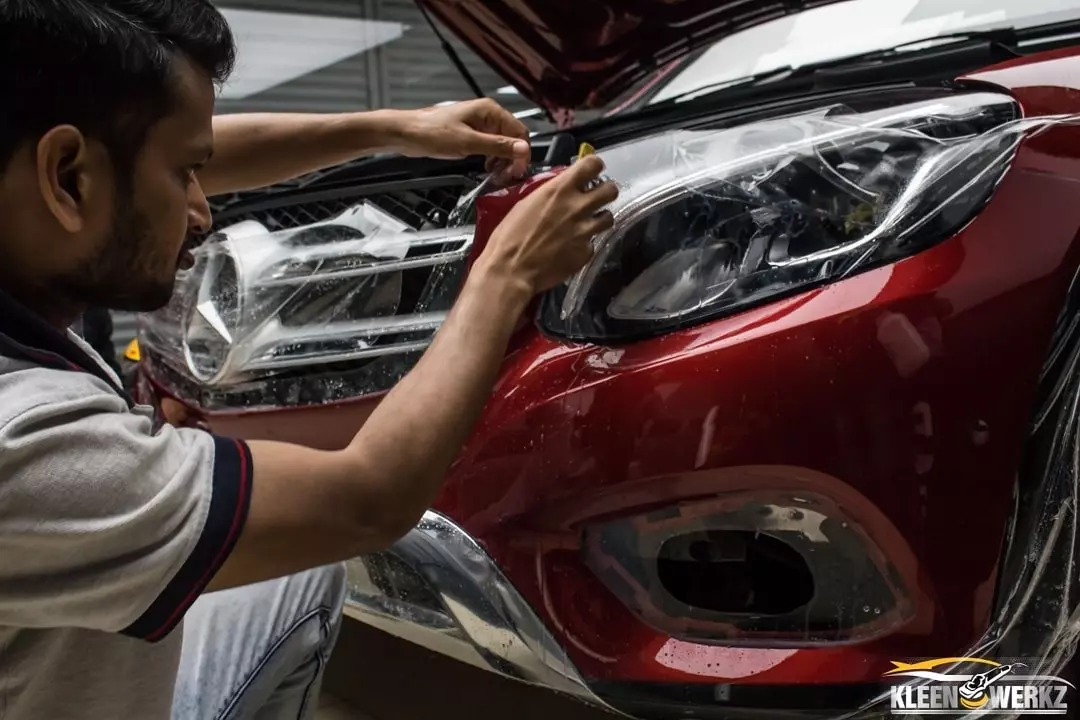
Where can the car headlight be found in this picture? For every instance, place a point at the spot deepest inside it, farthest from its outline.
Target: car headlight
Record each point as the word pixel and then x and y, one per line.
pixel 340 294
pixel 709 222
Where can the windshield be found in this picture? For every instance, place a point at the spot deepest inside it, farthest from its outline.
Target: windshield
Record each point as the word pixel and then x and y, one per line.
pixel 822 34
pixel 850 28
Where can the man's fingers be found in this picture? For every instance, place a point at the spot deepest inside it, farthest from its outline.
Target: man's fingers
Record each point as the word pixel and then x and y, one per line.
pixel 508 157
pixel 604 194
pixel 494 146
pixel 488 116
pixel 590 202
pixel 583 172
pixel 600 223
pixel 504 170
pixel 502 121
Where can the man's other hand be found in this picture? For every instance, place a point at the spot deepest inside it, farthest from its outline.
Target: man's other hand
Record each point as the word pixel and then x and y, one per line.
pixel 546 237
pixel 476 127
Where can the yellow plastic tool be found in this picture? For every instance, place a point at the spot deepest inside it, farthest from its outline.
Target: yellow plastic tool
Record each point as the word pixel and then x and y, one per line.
pixel 132 351
pixel 585 150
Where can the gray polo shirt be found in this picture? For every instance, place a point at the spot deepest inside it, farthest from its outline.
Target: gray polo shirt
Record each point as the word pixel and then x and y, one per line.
pixel 110 528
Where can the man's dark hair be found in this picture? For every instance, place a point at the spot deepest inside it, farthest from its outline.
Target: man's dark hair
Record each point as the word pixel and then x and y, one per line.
pixel 103 66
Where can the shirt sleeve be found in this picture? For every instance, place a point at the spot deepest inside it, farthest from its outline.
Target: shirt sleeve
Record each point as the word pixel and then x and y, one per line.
pixel 104 523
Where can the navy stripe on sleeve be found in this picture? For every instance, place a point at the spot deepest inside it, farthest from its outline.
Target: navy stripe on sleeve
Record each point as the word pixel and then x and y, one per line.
pixel 228 511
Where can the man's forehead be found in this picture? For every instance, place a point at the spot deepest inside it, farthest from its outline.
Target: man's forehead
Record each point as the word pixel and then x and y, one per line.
pixel 190 122
pixel 183 138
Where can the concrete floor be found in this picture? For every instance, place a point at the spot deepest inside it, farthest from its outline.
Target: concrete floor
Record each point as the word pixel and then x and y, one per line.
pixel 334 708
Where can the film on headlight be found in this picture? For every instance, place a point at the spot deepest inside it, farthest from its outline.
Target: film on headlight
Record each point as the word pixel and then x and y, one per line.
pixel 260 302
pixel 951 152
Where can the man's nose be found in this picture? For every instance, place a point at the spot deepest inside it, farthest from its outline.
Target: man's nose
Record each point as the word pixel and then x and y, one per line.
pixel 200 219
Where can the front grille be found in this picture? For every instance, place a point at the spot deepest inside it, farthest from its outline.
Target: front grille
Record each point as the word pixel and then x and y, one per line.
pixel 290 216
pixel 423 208
pixel 419 204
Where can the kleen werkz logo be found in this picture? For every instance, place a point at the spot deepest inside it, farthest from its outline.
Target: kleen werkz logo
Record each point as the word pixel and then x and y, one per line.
pixel 975 685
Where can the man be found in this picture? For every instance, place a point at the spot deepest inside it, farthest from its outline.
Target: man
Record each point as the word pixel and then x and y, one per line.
pixel 112 535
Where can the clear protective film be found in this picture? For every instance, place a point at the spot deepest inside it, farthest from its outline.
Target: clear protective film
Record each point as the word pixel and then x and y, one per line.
pixel 1037 614
pixel 321 312
pixel 711 221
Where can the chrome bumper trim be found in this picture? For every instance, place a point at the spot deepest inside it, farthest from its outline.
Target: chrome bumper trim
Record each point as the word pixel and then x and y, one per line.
pixel 468 609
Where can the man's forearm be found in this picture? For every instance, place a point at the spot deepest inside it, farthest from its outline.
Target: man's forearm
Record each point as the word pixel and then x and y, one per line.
pixel 414 435
pixel 259 149
pixel 313 507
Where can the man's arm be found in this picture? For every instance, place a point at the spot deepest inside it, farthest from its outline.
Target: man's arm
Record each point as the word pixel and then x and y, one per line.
pixel 253 150
pixel 311 508
pixel 259 149
pixel 110 525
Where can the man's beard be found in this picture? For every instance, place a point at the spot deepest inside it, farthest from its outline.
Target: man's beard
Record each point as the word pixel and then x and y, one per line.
pixel 123 275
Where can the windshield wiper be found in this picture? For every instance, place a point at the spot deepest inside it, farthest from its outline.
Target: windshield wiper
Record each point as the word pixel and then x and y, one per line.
pixel 761 78
pixel 1001 39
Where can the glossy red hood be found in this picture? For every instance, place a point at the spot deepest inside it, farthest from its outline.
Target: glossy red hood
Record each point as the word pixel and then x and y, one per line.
pixel 585 53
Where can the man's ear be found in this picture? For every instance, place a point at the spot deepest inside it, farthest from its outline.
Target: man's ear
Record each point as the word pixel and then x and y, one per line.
pixel 64 173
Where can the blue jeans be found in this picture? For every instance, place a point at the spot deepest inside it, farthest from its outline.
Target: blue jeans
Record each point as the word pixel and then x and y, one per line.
pixel 258 652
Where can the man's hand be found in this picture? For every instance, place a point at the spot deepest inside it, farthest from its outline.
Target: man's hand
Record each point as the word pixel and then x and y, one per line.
pixel 255 150
pixel 545 238
pixel 476 127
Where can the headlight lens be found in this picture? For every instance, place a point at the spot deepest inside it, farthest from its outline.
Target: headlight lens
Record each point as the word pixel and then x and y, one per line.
pixel 343 294
pixel 709 222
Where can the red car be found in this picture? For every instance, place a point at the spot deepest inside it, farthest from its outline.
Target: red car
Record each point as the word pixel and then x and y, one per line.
pixel 810 415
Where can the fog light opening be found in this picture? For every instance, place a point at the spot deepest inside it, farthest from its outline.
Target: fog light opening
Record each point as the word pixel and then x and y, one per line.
pixel 735 571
